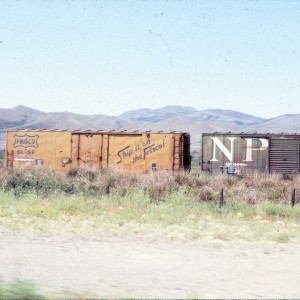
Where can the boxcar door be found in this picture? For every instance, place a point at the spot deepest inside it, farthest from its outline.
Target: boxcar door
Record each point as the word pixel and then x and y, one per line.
pixel 87 150
pixel 284 156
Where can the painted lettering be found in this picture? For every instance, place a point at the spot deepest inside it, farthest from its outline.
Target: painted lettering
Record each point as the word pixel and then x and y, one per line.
pixel 222 148
pixel 236 164
pixel 147 143
pixel 137 158
pixel 140 151
pixel 123 153
pixel 26 141
pixel 25 152
pixel 153 148
pixel 250 149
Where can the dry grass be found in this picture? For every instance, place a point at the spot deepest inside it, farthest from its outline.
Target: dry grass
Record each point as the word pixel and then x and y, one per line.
pixel 253 189
pixel 156 205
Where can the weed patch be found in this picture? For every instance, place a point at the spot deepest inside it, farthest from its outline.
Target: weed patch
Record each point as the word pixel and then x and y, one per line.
pixel 19 289
pixel 162 198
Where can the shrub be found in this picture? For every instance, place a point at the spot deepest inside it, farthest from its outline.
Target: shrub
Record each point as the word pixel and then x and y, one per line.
pixel 206 193
pixel 252 189
pixel 19 289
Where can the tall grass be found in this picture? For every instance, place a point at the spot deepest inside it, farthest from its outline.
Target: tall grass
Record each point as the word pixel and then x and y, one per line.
pixel 156 188
pixel 79 201
pixel 252 189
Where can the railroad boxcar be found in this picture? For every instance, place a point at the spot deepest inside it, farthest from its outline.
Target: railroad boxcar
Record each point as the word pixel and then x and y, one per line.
pixel 131 152
pixel 242 153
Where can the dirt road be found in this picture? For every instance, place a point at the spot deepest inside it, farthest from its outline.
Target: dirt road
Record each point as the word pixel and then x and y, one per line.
pixel 124 268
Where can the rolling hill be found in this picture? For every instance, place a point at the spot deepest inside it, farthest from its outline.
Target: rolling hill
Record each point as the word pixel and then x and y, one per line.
pixel 167 118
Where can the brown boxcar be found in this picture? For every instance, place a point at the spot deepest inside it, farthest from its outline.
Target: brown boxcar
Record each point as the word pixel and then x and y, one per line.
pixel 128 151
pixel 241 153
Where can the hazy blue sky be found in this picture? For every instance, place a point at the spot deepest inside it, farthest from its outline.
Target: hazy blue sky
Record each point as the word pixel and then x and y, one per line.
pixel 107 57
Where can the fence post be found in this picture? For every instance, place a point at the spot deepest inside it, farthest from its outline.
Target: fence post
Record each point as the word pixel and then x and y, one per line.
pixel 221 198
pixel 107 190
pixel 293 197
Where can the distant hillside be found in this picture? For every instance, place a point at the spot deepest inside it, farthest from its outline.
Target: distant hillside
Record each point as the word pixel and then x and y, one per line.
pixel 167 118
pixel 67 120
pixel 214 118
pixel 285 123
pixel 17 116
pixel 156 115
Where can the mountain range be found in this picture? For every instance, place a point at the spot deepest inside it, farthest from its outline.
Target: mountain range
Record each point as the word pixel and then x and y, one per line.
pixel 167 118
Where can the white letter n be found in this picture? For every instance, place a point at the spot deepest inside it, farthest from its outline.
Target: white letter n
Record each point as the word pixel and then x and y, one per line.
pixel 224 150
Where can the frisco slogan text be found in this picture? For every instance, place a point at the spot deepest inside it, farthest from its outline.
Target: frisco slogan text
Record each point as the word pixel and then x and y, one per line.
pixel 140 151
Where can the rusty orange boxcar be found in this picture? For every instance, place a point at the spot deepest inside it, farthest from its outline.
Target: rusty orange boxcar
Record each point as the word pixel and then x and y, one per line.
pixel 132 152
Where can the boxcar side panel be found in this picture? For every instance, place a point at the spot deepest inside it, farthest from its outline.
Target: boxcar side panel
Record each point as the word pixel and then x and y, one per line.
pixel 75 150
pixel 105 151
pixel 26 149
pixel 130 152
pixel 238 154
pixel 142 152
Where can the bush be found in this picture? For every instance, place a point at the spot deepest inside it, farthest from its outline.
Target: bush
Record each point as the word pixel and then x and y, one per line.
pixel 206 193
pixel 19 289
pixel 252 189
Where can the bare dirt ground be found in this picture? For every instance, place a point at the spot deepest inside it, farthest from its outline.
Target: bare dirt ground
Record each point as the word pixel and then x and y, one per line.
pixel 116 267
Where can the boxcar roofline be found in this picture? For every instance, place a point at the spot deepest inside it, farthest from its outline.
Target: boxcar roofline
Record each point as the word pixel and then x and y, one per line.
pixel 254 134
pixel 112 132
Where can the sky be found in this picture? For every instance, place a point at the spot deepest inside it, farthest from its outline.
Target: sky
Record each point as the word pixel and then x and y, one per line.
pixel 108 57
